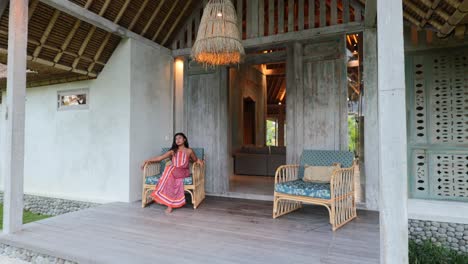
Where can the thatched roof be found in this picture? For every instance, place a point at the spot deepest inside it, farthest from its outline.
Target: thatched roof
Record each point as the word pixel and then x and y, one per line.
pixel 443 16
pixel 62 47
pixel 76 49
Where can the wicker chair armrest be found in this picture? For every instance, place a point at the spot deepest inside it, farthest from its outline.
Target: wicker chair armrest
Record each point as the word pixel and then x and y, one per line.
pixel 151 169
pixel 342 183
pixel 286 173
pixel 198 172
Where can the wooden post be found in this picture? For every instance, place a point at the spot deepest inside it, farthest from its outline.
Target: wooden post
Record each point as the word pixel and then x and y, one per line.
pixel 392 129
pixel 290 15
pixel 13 136
pixel 280 16
pixel 371 120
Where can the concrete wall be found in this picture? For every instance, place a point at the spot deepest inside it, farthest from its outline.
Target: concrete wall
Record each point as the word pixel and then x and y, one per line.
pixel 245 82
pixel 151 108
pixel 93 154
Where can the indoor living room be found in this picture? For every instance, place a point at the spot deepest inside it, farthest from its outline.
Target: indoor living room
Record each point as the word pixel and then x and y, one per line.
pixel 258 122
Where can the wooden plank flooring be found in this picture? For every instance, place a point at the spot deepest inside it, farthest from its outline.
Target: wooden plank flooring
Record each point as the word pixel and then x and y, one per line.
pixel 222 230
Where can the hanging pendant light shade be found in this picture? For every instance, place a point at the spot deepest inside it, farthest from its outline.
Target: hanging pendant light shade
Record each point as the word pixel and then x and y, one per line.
pixel 218 40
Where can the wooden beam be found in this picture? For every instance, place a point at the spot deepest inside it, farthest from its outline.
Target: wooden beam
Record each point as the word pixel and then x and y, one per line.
pixel 46 33
pixel 357 12
pixel 323 13
pixel 281 16
pixel 264 58
pixel 334 11
pixel 261 18
pixel 290 15
pixel 70 35
pixel 277 88
pixel 273 72
pixel 270 85
pixel 14 125
pixel 345 11
pixel 32 8
pixel 153 16
pixel 271 17
pixel 171 30
pixel 281 39
pixel 165 20
pixel 53 48
pixel 107 37
pixel 280 91
pixel 88 37
pixel 311 14
pixel 252 18
pixel 100 22
pixel 393 181
pixel 300 19
pixel 240 10
pixel 138 14
pixel 370 13
pixel 305 35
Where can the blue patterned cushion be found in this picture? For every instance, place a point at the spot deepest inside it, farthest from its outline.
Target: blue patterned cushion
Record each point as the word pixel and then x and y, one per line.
pixel 153 180
pixel 302 188
pixel 325 158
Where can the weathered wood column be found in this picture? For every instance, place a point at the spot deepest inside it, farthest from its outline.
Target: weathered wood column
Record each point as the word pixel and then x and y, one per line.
pixel 13 136
pixel 371 120
pixel 392 129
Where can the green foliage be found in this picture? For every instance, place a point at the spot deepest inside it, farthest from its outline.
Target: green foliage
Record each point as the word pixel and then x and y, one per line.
pixel 429 253
pixel 28 217
pixel 271 133
pixel 352 133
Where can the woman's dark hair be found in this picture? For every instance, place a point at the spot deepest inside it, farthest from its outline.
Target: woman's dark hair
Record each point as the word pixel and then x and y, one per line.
pixel 174 145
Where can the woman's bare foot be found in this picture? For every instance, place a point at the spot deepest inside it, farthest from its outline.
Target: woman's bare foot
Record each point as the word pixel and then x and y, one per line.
pixel 168 210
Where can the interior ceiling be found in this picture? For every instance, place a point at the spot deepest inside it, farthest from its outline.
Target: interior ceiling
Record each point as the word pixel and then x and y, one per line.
pixel 276 83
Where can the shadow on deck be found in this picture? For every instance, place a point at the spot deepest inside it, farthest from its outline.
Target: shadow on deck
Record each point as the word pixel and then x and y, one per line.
pixel 222 230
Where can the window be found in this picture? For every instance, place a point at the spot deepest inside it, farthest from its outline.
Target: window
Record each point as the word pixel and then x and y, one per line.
pixel 272 132
pixel 73 99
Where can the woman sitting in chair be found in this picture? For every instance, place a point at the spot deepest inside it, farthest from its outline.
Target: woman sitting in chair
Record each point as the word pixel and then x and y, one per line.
pixel 170 189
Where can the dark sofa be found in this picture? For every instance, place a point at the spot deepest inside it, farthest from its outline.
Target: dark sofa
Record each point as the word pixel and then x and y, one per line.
pixel 259 161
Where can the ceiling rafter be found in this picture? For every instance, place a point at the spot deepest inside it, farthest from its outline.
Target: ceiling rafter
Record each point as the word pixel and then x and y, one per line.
pixel 46 34
pixel 108 36
pixel 153 16
pixel 156 34
pixel 171 30
pixel 138 14
pixel 85 43
pixel 70 35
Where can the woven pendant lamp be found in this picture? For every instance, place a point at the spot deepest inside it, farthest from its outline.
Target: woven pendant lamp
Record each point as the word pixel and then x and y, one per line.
pixel 218 40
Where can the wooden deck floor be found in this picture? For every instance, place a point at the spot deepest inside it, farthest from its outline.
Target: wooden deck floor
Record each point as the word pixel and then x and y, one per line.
pixel 222 230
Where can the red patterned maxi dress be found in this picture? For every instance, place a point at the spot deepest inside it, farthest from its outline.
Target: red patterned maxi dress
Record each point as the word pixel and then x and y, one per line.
pixel 170 188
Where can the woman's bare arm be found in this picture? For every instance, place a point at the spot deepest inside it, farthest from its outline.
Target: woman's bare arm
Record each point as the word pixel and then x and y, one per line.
pixel 194 157
pixel 158 158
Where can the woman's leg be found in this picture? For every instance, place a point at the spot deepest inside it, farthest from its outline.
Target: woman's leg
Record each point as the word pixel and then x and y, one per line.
pixel 168 210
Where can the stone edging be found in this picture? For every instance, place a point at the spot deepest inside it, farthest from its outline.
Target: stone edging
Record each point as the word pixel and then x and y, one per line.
pixel 51 206
pixel 30 256
pixel 450 235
